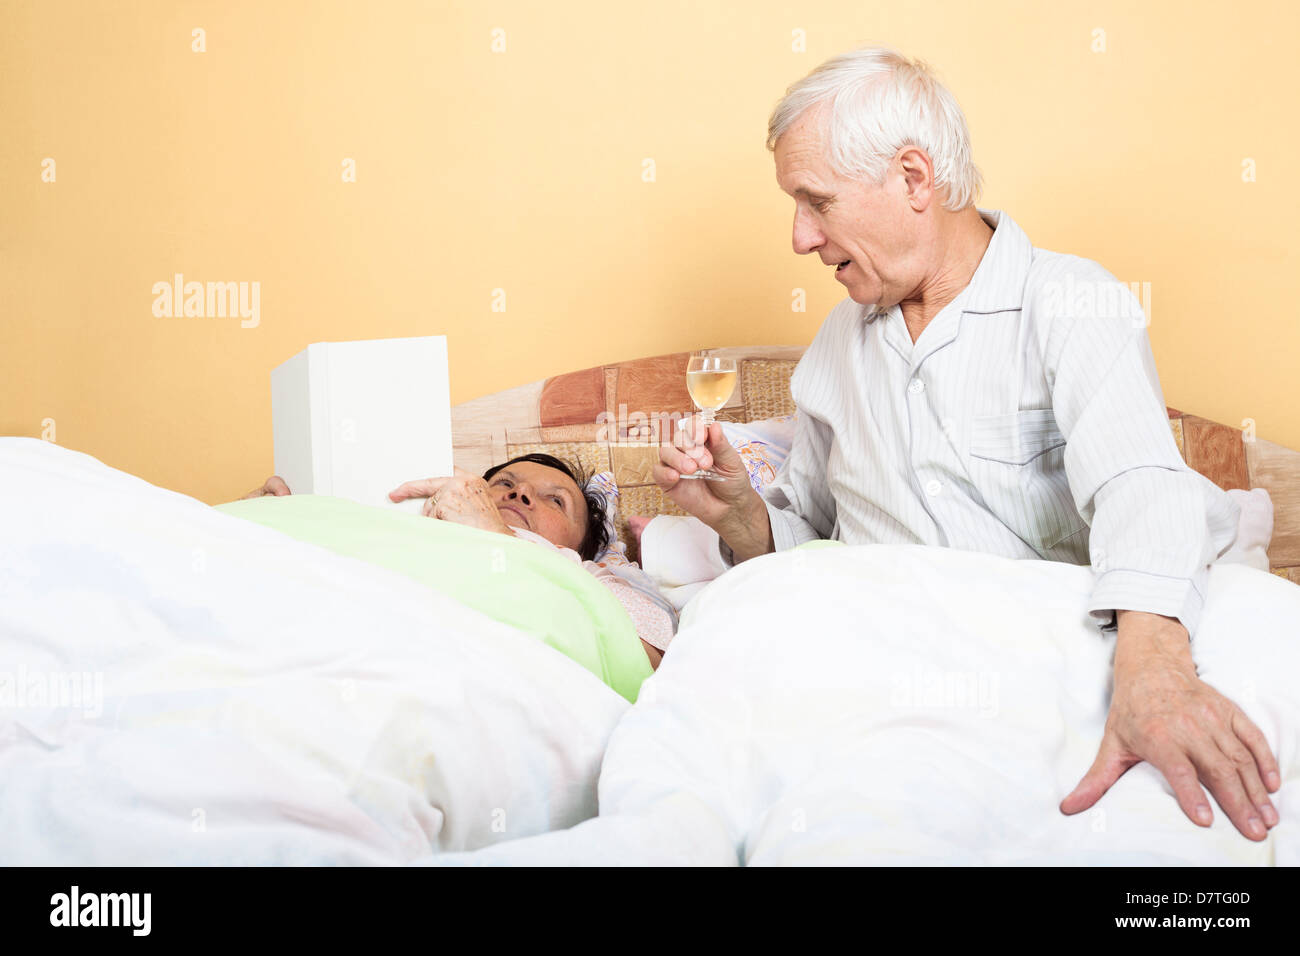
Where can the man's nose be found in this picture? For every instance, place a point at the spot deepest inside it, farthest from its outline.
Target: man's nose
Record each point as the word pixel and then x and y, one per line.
pixel 807 236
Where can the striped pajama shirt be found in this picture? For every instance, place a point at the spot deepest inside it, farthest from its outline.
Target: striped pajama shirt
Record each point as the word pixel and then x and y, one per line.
pixel 1026 421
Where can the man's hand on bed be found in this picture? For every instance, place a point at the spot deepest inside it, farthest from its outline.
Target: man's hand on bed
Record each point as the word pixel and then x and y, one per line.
pixel 274 486
pixel 731 507
pixel 461 499
pixel 1161 712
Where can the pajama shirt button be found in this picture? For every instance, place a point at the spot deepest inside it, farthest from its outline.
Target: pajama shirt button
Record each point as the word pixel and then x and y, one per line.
pixel 916 386
pixel 933 487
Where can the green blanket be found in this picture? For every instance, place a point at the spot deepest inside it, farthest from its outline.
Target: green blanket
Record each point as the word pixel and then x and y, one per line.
pixel 513 581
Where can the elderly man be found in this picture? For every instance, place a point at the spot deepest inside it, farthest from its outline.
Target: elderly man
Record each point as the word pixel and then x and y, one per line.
pixel 976 392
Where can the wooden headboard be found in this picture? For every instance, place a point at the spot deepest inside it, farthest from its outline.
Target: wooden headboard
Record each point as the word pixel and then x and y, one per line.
pixel 607 419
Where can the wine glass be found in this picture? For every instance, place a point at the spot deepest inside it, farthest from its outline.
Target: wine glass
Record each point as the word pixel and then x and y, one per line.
pixel 710 380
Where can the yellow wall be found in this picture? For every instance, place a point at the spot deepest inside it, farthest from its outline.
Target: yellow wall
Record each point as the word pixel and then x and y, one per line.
pixel 522 170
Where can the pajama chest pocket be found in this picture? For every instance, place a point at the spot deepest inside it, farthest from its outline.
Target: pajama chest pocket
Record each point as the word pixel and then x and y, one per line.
pixel 1018 463
pixel 1015 439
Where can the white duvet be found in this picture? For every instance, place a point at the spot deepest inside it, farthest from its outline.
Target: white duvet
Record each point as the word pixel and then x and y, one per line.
pixel 911 705
pixel 181 686
pixel 241 697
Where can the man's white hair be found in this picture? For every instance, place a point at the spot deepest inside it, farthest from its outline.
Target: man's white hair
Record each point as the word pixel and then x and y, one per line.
pixel 881 102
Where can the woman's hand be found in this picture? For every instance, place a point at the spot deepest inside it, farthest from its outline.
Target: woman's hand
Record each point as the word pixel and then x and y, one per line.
pixel 274 486
pixel 461 499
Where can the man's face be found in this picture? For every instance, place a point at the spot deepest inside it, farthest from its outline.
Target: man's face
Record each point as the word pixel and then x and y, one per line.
pixel 872 228
pixel 543 500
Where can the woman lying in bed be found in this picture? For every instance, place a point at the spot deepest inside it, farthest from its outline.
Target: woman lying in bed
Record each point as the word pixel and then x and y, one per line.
pixel 537 498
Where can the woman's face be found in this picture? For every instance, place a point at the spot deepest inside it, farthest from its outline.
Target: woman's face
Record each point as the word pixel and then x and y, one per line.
pixel 544 500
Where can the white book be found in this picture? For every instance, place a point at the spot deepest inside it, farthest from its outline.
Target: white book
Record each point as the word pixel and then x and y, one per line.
pixel 356 419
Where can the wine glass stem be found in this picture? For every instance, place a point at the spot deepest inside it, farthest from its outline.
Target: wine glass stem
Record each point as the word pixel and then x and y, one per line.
pixel 706 416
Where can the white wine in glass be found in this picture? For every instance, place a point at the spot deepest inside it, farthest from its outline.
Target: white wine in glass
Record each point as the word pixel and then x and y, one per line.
pixel 710 380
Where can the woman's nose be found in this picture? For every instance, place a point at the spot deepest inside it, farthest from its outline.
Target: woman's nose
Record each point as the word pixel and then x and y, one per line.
pixel 521 491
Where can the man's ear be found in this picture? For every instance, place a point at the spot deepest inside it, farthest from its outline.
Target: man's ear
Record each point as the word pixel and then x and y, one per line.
pixel 918 175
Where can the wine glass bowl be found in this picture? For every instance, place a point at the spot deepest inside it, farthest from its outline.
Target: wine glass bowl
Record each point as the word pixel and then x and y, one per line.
pixel 710 380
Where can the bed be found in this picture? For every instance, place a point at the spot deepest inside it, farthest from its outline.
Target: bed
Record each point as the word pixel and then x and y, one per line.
pixel 263 700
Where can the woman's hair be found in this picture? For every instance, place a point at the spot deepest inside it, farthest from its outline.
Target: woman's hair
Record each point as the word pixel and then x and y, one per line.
pixel 596 538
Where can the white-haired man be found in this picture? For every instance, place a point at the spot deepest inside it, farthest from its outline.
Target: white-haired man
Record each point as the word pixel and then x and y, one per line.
pixel 979 393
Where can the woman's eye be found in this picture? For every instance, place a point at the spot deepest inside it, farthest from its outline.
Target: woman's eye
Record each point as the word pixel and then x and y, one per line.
pixel 558 501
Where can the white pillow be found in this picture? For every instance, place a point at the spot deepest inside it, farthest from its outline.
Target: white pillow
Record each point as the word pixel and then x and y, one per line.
pixel 680 550
pixel 1254 529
